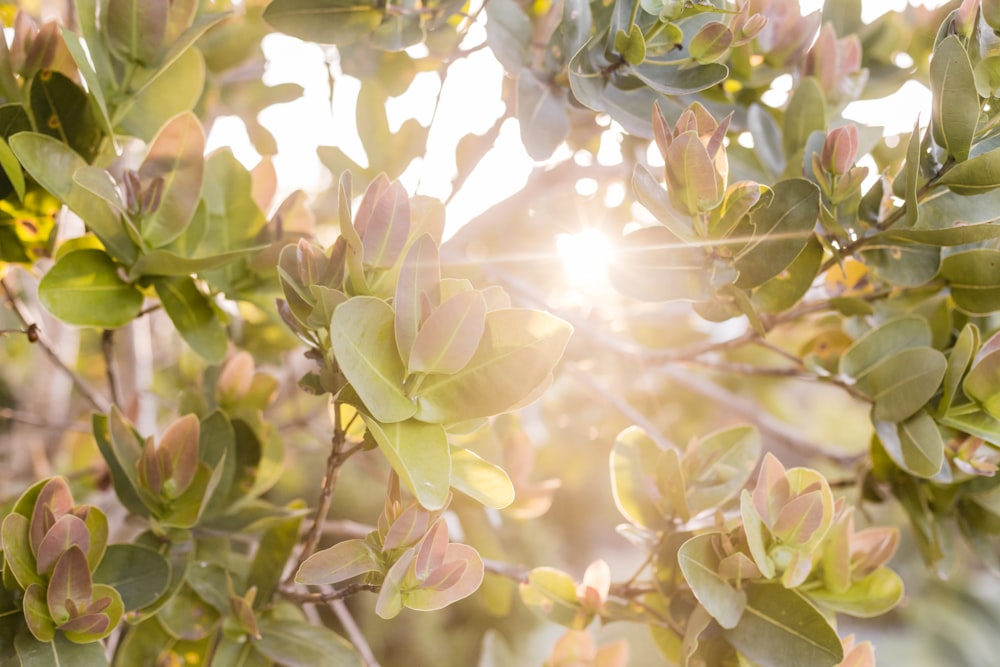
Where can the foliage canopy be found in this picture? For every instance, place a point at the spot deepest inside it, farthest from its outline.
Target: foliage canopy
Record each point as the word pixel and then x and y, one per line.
pixel 807 303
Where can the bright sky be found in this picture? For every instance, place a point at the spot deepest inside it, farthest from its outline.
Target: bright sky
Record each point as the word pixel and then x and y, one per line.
pixel 470 103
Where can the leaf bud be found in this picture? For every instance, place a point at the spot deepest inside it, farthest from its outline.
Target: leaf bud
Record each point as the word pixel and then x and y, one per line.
pixel 840 149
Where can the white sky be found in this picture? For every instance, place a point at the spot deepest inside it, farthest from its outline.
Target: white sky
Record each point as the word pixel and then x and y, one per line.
pixel 470 103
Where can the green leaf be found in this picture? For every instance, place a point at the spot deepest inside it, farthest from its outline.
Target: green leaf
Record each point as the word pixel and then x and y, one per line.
pixel 60 652
pixel 781 231
pixel 699 561
pixel 53 165
pixel 915 445
pixel 166 263
pixel 905 382
pixel 955 102
pixel 94 81
pixel 551 594
pixel 12 169
pixel 518 351
pixel 903 264
pixel 84 288
pixel 980 424
pixel 417 290
pixel 767 140
pixel 18 558
pixel 135 29
pixel 788 287
pixel 140 575
pixel 781 629
pixel 193 315
pixel 958 362
pixel 36 613
pixel 176 156
pixel 718 466
pixel 631 45
pixel 508 34
pixel 419 454
pixel 339 22
pixel 654 198
pixel 170 90
pixel 449 337
pixel 805 114
pixel 974 277
pixel 300 644
pixel 982 384
pixel 362 337
pixel 633 467
pixel 273 552
pixel 61 110
pixel 897 334
pixel 338 563
pixel 869 597
pixel 948 236
pixel 669 78
pixel 974 176
pixel 542 114
pixel 479 479
pixel 187 616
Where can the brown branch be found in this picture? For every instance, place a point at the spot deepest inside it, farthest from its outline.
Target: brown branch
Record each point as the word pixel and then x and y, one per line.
pixel 111 365
pixel 98 402
pixel 517 573
pixel 338 455
pixel 327 596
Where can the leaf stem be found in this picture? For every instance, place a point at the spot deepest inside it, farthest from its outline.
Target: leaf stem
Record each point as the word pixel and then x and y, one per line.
pixel 98 402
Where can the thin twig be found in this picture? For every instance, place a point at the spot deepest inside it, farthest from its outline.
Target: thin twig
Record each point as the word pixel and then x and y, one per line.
pixel 98 402
pixel 327 596
pixel 111 365
pixel 508 570
pixel 338 455
pixel 354 632
pixel 636 417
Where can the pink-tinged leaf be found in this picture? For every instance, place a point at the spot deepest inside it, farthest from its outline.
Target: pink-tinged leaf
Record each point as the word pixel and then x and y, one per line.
pixel 445 576
pixel 408 528
pixel 264 183
pixel 176 156
pixel 180 442
pixel 235 378
pixel 418 287
pixel 36 613
pixel 613 655
pixel 799 519
pixel 108 605
pixel 69 585
pixel 873 547
pixel 661 130
pixel 450 336
pixel 692 182
pixel 798 569
pixel 150 468
pixel 387 228
pixel 597 577
pixel 837 555
pixel 430 555
pixel 471 578
pixel 340 562
pixel 351 234
pixel 738 567
pixel 756 534
pixel 68 531
pixel 574 648
pixel 771 492
pixel 390 596
pixel 54 500
pixel 88 624
pixel 857 655
pixel 369 200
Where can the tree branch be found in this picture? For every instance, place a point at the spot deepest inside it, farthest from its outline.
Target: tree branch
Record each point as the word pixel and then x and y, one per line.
pixel 327 596
pixel 338 455
pixel 98 402
pixel 111 365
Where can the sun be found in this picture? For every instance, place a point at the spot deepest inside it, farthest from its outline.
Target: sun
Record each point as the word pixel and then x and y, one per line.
pixel 585 257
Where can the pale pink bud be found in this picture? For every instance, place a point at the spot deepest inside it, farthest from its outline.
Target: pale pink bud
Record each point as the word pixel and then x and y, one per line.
pixel 840 149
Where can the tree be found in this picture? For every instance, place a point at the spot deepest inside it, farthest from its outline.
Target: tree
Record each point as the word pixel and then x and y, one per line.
pixel 810 306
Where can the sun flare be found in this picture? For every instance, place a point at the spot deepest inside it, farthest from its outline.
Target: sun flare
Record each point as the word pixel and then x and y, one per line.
pixel 585 257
